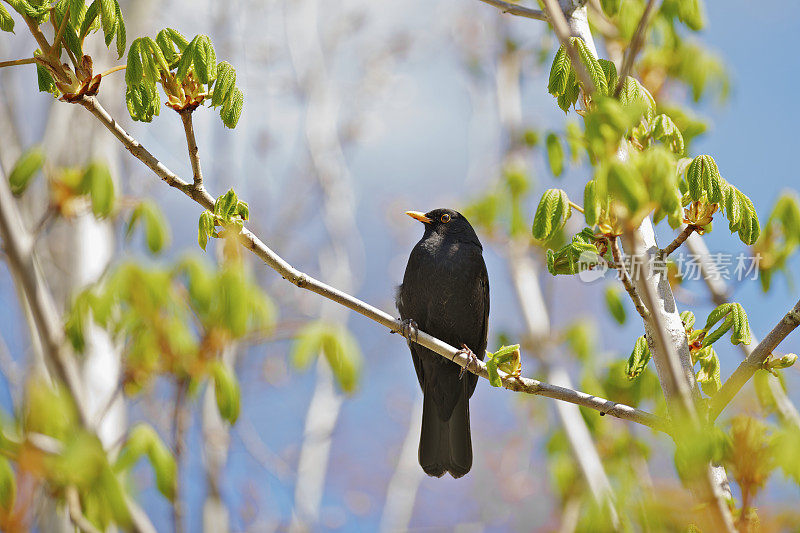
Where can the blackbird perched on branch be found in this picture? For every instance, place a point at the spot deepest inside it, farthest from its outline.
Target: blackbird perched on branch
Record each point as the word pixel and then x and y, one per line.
pixel 445 293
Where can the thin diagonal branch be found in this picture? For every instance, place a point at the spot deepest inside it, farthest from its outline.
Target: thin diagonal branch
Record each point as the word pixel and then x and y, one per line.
pixel 304 281
pixel 679 240
pixel 613 243
pixel 636 45
pixel 186 117
pixel 719 295
pixel 514 9
pixel 754 361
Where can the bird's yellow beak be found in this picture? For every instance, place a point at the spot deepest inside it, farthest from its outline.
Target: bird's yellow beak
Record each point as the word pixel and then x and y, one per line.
pixel 419 216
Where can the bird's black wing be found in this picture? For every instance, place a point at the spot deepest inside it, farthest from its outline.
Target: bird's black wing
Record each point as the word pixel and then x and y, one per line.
pixel 483 290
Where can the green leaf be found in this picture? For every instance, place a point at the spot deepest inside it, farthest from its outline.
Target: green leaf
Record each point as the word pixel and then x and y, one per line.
pixel 156 230
pixel 507 359
pixel 614 304
pixel 88 19
pixel 709 374
pixel 580 254
pixel 122 36
pixel 559 73
pixel 337 345
pixel 8 485
pixel 592 66
pixel 638 359
pixel 591 204
pixel 108 15
pixel 625 185
pixel 571 93
pixel 143 439
pixel 6 22
pixel 555 154
pixel 226 391
pixel 25 169
pixel 688 319
pixel 205 229
pixel 551 214
pixel 46 82
pixel 185 62
pixel 225 206
pixel 134 72
pixel 99 184
pixel 702 176
pixel 610 71
pixel 205 60
pixel 582 339
pixel 143 102
pixel 224 84
pixel 232 109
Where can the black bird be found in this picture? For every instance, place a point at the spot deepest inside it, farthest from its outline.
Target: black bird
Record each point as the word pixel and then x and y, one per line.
pixel 445 293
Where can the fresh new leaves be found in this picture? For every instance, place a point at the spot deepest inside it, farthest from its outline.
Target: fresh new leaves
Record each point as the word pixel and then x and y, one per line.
pixel 6 22
pixel 592 65
pixel 551 214
pixel 25 169
pixel 33 9
pixel 664 130
pixel 228 211
pixel 580 254
pixel 156 230
pixel 143 440
pixel 99 185
pixel 188 73
pixel 733 318
pixel 706 187
pixel 780 238
pixel 638 359
pixel 703 178
pixel 555 154
pixel 708 375
pixel 506 359
pixel 563 82
pixel 630 190
pixel 614 304
pixel 226 391
pixel 339 347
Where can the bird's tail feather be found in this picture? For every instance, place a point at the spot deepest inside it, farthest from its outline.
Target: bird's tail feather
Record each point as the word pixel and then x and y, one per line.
pixel 445 445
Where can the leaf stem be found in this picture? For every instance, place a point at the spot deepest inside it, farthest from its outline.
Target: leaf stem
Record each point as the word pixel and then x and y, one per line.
pixel 15 62
pixel 113 70
pixel 575 206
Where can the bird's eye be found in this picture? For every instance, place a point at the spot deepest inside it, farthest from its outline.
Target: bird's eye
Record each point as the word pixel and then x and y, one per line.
pixel 445 218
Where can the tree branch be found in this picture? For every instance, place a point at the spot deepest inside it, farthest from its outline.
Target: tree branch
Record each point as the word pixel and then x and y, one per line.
pixel 719 295
pixel 559 22
pixel 514 9
pixel 679 240
pixel 613 243
pixel 754 361
pixel 304 281
pixel 636 45
pixel 188 127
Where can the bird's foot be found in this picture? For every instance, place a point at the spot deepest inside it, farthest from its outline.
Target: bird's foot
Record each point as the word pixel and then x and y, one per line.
pixel 409 330
pixel 471 358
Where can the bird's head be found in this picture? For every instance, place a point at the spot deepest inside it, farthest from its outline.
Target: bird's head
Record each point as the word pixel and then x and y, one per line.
pixel 447 223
